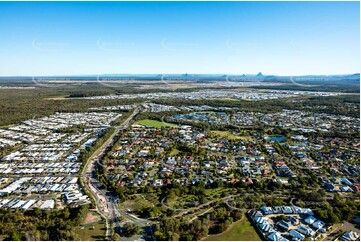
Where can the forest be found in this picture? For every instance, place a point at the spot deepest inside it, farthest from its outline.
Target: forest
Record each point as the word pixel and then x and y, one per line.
pixel 40 224
pixel 17 105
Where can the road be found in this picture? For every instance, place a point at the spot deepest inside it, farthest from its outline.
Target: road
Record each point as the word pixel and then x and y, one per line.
pixel 105 205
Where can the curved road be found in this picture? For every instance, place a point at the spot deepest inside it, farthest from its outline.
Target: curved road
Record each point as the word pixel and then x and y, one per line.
pixel 105 205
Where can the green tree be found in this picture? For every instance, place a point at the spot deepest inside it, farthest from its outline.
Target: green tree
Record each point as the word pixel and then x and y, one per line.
pixel 130 229
pixel 116 237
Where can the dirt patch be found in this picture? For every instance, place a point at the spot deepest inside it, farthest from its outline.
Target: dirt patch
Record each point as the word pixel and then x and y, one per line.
pixel 91 217
pixel 56 98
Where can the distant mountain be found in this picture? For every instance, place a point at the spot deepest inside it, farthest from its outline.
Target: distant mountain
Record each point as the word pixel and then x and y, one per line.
pixel 349 79
pixel 317 79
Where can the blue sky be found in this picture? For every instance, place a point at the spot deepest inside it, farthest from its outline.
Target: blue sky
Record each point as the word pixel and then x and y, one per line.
pixel 283 38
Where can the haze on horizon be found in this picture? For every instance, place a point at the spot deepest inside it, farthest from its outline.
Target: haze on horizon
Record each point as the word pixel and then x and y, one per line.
pixel 83 38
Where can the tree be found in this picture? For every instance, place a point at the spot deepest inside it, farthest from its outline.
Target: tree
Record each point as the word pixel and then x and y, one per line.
pixel 159 235
pixel 41 225
pixel 175 237
pixel 116 237
pixel 130 229
pixel 14 236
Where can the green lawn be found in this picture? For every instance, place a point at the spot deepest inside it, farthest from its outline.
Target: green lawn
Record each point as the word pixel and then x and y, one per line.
pixel 88 233
pixel 182 201
pixel 214 191
pixel 226 99
pixel 137 203
pixel 174 152
pixel 155 123
pixel 229 135
pixel 241 230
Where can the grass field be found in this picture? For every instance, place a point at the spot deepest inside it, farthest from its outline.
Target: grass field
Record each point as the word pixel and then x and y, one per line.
pixel 229 135
pixel 137 203
pixel 173 152
pixel 155 123
pixel 214 191
pixel 91 232
pixel 241 230
pixel 226 99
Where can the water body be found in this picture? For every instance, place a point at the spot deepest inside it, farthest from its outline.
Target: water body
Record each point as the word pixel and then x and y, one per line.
pixel 278 138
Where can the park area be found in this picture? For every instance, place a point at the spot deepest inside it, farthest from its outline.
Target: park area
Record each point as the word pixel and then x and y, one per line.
pixel 229 135
pixel 240 230
pixel 92 229
pixel 137 203
pixel 155 123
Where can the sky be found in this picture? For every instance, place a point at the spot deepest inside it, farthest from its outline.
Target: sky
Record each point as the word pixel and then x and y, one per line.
pixel 79 38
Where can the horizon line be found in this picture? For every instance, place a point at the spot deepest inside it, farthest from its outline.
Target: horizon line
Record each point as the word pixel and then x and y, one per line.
pixel 160 74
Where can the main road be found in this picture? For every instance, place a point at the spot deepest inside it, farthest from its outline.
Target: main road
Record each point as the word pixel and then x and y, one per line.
pixel 105 205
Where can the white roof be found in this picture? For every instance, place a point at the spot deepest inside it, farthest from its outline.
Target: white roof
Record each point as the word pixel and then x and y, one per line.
pixel 18 204
pixel 48 204
pixel 310 220
pixel 318 224
pixel 296 234
pixel 28 204
pixel 350 236
pixel 276 237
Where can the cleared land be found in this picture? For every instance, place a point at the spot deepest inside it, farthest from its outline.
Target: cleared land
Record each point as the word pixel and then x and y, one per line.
pixel 229 135
pixel 137 203
pixel 155 123
pixel 57 98
pixel 225 99
pixel 241 230
pixel 92 217
pixel 92 229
